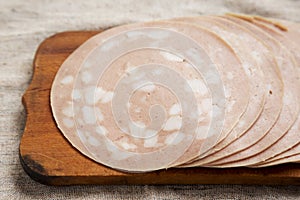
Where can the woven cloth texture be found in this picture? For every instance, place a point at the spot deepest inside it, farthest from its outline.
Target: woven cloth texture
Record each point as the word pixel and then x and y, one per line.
pixel 25 24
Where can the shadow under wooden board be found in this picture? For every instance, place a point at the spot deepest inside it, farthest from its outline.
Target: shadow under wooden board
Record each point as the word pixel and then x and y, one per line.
pixel 49 158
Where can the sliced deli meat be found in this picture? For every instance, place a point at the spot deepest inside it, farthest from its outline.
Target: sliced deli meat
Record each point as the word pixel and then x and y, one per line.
pixel 291 158
pixel 240 38
pixel 99 141
pixel 187 92
pixel 274 100
pixel 289 142
pixel 256 84
pixel 291 155
pixel 230 69
pixel 287 34
pixel 266 147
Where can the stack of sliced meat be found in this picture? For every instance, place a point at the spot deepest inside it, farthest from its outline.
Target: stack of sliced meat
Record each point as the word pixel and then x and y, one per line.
pixel 210 91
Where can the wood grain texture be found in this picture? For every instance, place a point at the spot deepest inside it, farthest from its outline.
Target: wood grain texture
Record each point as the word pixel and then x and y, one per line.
pixel 50 159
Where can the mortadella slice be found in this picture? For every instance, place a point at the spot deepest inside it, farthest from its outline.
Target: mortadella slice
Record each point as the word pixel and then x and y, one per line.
pixel 246 46
pixel 231 72
pixel 85 119
pixel 266 147
pixel 256 84
pixel 287 34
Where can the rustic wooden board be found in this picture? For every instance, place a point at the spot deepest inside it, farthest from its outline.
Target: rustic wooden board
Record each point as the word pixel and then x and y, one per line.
pixel 50 159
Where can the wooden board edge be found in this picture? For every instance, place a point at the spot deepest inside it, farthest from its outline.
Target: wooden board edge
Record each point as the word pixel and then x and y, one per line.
pixel 34 171
pixel 32 168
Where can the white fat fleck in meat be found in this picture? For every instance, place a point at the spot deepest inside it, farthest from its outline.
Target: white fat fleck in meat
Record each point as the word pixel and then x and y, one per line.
pixel 200 110
pixel 129 67
pixel 198 86
pixel 194 115
pixel 247 68
pixel 126 145
pixel 173 123
pixel 151 142
pixel 99 114
pixel 137 77
pixel 68 122
pixel 87 64
pixel 81 135
pixel 136 130
pixel 76 94
pixel 99 92
pixel 188 88
pixel 93 141
pixel 213 77
pixel 89 95
pixel 171 57
pixel 86 77
pixel 217 111
pixel 174 138
pixel 138 110
pixel 230 105
pixel 88 115
pixel 201 132
pixel 148 88
pixel 150 133
pixel 194 55
pixel 227 93
pixel 67 80
pixel 269 87
pixel 140 124
pixel 107 97
pixel 101 130
pixel 175 109
pixel 217 50
pixel 178 138
pixel 107 46
pixel 229 75
pixel 157 72
pixel 119 155
pixel 257 57
pixel 68 111
pixel 131 34
pixel 110 146
pixel 157 34
pixel 206 104
pixel 286 101
pixel 241 123
pixel 101 95
pixel 201 118
pixel 116 154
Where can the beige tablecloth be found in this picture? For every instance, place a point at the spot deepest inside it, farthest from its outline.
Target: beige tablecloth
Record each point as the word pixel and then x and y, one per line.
pixel 24 24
